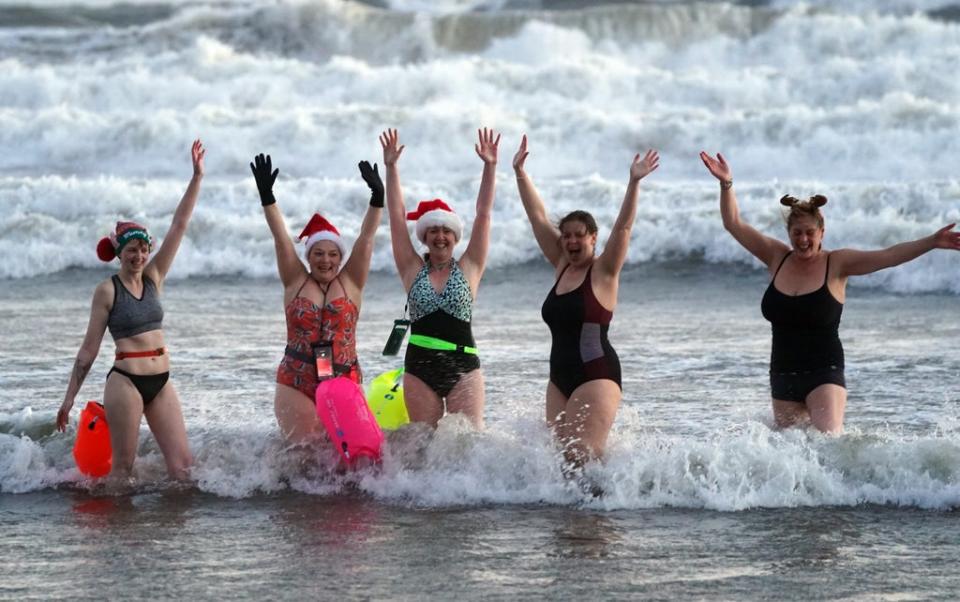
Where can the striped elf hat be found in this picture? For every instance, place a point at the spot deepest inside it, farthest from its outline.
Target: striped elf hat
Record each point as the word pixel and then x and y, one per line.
pixel 110 246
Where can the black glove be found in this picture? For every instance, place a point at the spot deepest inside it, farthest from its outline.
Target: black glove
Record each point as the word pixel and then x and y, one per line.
pixel 372 177
pixel 265 179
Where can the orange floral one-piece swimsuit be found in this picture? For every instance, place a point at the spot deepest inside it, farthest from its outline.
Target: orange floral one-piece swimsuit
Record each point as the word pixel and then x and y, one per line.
pixel 308 325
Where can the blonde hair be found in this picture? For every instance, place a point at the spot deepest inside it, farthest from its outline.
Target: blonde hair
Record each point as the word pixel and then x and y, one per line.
pixel 798 208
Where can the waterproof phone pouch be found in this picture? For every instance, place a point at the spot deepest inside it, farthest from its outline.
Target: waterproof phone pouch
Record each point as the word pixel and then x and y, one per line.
pixel 323 356
pixel 399 331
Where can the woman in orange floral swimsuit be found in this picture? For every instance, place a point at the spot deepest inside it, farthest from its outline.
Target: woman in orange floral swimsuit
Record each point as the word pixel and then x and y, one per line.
pixel 321 305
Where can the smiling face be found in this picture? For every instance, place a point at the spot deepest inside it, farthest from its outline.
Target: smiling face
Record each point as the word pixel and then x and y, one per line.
pixel 577 242
pixel 806 235
pixel 440 241
pixel 134 255
pixel 324 259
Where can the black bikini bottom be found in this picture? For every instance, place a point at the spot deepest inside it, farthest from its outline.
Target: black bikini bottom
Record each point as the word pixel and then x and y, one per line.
pixel 149 385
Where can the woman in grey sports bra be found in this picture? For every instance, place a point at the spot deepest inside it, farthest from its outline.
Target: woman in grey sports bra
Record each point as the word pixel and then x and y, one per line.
pixel 128 304
pixel 442 369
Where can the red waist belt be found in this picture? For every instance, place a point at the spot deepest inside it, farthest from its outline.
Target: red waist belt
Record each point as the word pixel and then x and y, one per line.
pixel 122 355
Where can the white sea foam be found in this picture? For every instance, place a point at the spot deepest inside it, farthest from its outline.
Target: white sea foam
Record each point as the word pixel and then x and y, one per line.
pixel 746 466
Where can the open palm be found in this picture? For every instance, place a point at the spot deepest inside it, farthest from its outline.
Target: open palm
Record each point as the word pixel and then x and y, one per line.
pixel 390 141
pixel 641 167
pixel 487 147
pixel 197 153
pixel 717 166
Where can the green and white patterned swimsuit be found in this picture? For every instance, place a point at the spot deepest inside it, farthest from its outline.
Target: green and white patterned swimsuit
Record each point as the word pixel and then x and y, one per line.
pixel 455 299
pixel 441 348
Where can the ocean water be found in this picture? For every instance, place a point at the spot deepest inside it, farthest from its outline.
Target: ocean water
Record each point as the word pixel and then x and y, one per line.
pixel 99 101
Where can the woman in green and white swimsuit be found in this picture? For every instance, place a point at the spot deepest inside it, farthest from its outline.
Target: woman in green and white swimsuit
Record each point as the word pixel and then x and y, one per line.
pixel 441 364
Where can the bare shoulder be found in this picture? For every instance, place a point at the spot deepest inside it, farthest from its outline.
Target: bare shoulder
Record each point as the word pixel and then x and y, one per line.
pixel 471 272
pixel 841 254
pixel 842 261
pixel 601 276
pixel 104 293
pixel 410 270
pixel 151 272
pixel 351 289
pixel 605 266
pixel 467 265
pixel 777 257
pixel 104 287
pixel 841 257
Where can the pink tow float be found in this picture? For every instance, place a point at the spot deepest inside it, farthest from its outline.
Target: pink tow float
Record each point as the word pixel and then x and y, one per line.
pixel 350 424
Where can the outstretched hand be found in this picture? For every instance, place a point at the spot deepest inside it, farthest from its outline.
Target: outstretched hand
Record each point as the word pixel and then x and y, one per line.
pixel 265 175
pixel 521 156
pixel 196 153
pixel 487 147
pixel 641 167
pixel 390 141
pixel 371 175
pixel 946 238
pixel 717 166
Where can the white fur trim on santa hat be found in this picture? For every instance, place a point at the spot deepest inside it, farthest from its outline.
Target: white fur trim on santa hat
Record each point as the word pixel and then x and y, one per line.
pixel 325 235
pixel 439 217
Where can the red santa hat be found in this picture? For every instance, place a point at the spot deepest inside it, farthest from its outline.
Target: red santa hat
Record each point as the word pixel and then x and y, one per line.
pixel 317 229
pixel 110 246
pixel 435 213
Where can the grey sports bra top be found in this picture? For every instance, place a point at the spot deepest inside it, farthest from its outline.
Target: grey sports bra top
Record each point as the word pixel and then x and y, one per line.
pixel 130 316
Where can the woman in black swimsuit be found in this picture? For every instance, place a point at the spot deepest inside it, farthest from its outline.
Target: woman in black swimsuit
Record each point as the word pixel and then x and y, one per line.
pixel 804 301
pixel 583 392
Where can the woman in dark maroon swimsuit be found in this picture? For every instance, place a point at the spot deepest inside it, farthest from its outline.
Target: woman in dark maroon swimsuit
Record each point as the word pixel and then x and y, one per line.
pixel 583 393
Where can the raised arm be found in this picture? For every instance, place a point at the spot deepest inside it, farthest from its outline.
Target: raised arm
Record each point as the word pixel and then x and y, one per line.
pixel 547 235
pixel 851 262
pixel 404 255
pixel 99 314
pixel 763 247
pixel 475 257
pixel 615 251
pixel 160 264
pixel 358 266
pixel 289 266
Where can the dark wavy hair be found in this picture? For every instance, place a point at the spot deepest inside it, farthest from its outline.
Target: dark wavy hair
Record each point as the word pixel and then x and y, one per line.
pixel 579 216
